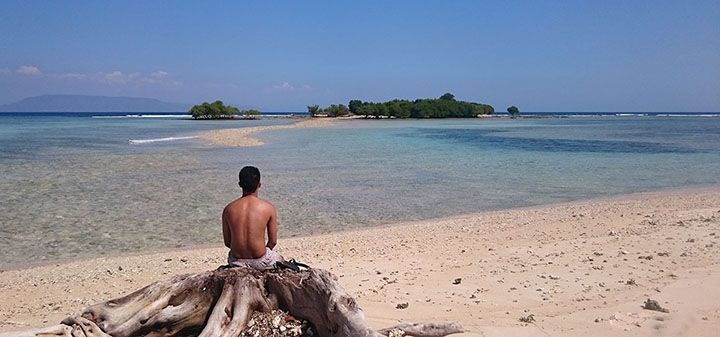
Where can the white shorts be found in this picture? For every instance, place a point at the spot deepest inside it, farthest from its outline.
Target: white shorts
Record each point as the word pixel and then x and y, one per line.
pixel 264 262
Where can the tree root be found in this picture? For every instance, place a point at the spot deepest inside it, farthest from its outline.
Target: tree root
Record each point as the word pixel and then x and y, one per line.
pixel 219 303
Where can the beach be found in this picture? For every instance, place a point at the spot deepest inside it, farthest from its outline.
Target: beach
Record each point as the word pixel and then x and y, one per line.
pixel 579 268
pixel 517 169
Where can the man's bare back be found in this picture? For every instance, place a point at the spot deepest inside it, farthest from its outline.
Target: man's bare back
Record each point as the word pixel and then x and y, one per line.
pixel 245 222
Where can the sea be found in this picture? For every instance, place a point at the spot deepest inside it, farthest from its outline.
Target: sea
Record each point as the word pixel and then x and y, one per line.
pixel 84 185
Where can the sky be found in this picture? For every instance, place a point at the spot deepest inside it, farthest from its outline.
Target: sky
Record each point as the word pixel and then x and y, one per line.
pixel 653 56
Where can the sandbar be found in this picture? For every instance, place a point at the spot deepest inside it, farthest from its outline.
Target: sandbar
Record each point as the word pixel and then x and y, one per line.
pixel 245 137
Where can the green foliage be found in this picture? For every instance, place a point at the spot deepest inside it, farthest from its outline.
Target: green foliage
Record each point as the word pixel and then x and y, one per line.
pixel 336 110
pixel 313 110
pixel 250 113
pixel 444 107
pixel 448 97
pixel 214 110
pixel 354 106
pixel 513 111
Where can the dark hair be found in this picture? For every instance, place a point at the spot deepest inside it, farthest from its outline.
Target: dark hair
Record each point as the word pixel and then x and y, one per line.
pixel 249 179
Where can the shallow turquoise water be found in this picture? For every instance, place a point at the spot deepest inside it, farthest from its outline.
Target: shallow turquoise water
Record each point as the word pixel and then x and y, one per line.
pixel 74 187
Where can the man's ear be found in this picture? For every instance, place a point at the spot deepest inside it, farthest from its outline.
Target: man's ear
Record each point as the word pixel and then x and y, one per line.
pixel 259 184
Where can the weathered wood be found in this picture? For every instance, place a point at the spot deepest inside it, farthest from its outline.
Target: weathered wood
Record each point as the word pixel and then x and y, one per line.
pixel 219 303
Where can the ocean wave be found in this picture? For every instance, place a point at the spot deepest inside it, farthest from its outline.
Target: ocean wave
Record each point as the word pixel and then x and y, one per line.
pixel 688 115
pixel 155 140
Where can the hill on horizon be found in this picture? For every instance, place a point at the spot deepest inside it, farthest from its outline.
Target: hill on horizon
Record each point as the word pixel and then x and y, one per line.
pixel 86 103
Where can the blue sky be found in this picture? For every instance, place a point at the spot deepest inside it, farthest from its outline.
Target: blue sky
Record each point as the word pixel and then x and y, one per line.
pixel 284 55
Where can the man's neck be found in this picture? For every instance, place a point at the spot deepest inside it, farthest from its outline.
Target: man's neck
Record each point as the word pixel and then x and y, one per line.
pixel 255 194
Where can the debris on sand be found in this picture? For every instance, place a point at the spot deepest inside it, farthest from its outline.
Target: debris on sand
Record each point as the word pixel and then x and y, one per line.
pixel 276 324
pixel 396 333
pixel 653 305
pixel 527 319
pixel 402 305
pixel 631 282
pixel 457 280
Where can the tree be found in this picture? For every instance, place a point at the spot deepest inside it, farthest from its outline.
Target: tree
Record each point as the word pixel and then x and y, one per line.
pixel 513 111
pixel 214 110
pixel 399 108
pixel 250 113
pixel 313 110
pixel 447 97
pixel 336 110
pixel 354 106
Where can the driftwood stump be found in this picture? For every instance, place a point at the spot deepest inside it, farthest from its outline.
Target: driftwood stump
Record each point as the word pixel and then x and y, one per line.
pixel 219 303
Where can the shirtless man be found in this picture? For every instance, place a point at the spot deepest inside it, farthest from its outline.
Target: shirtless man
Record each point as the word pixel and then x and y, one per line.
pixel 245 222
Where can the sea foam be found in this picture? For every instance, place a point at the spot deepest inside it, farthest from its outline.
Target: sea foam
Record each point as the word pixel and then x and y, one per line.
pixel 155 140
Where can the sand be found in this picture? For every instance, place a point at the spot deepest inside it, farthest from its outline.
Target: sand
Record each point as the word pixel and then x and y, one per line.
pixel 580 269
pixel 246 137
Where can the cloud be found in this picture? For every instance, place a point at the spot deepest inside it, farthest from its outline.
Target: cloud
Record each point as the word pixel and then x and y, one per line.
pixel 70 76
pixel 116 77
pixel 285 86
pixel 159 74
pixel 29 70
pixel 119 77
pixel 288 87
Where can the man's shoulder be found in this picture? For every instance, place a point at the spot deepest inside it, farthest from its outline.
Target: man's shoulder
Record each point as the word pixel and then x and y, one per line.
pixel 266 204
pixel 231 205
pixel 252 203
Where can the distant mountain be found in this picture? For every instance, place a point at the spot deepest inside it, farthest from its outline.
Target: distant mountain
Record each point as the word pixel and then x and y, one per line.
pixel 82 103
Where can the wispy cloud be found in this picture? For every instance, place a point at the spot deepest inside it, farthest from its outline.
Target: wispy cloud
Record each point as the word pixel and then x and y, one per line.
pixel 157 77
pixel 288 87
pixel 159 74
pixel 29 70
pixel 113 78
pixel 284 86
pixel 69 76
pixel 116 77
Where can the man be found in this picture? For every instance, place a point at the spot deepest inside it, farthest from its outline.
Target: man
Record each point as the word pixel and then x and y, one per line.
pixel 245 222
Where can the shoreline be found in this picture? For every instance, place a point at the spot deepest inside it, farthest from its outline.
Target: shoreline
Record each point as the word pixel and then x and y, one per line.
pixel 399 223
pixel 578 254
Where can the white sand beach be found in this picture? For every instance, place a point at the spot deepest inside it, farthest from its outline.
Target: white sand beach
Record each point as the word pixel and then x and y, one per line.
pixel 582 268
pixel 245 137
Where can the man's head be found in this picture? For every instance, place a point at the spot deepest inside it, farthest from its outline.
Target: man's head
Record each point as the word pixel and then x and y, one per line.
pixel 249 179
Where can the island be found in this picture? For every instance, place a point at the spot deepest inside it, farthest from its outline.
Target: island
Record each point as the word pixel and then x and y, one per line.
pixel 446 106
pixel 218 110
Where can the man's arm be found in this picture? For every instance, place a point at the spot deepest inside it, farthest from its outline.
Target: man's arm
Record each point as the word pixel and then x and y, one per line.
pixel 226 229
pixel 272 229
